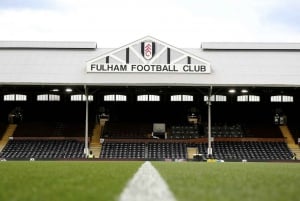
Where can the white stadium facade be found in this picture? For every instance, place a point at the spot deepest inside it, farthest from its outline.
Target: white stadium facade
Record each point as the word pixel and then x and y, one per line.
pixel 216 86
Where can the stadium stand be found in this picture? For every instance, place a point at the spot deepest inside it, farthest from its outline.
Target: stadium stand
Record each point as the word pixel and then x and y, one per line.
pixel 127 130
pixel 231 150
pixel 121 150
pixel 185 131
pixel 250 150
pixel 65 120
pixel 140 150
pixel 50 129
pixel 224 130
pixel 167 151
pixel 43 149
pixel 51 103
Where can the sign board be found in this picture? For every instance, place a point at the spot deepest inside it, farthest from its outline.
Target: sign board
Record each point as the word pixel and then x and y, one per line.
pixel 147 68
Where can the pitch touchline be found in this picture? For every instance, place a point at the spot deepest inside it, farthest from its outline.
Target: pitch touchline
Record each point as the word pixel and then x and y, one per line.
pixel 147 185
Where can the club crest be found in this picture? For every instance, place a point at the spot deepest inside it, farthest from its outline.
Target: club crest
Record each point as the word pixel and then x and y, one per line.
pixel 148 49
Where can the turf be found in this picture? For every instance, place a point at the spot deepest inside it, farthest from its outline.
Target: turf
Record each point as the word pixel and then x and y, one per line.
pixel 232 181
pixel 67 181
pixel 189 181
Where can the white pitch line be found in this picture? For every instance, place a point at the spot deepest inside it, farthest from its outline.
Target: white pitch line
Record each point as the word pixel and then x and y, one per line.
pixel 147 185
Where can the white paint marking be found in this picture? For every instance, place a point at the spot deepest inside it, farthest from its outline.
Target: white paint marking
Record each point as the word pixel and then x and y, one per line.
pixel 147 185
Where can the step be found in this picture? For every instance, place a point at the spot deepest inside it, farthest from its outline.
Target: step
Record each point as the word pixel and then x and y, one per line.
pixel 287 134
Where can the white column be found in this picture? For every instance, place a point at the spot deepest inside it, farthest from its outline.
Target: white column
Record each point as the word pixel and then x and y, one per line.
pixel 209 149
pixel 86 146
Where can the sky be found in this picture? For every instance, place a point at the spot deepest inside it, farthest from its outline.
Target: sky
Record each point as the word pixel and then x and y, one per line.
pixel 181 23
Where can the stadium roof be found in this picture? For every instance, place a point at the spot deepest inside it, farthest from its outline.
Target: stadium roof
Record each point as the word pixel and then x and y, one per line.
pixel 230 64
pixel 249 46
pixel 47 45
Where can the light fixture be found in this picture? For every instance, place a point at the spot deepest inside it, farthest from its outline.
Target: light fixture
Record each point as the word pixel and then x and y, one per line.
pixel 244 91
pixel 55 90
pixel 232 91
pixel 69 90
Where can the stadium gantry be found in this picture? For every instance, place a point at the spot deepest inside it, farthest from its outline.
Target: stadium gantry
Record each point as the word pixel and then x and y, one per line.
pixel 149 100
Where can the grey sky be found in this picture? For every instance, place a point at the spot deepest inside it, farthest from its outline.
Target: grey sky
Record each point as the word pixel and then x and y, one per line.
pixel 183 23
pixel 27 4
pixel 286 15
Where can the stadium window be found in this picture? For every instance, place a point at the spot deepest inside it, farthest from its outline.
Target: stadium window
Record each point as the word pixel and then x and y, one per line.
pixel 53 97
pixel 176 98
pixel 148 97
pixel 81 97
pixel 42 97
pixel 48 97
pixel 276 98
pixel 243 98
pixel 121 97
pixel 154 98
pixel 90 97
pixel 253 98
pixel 185 98
pixel 248 98
pixel 142 98
pixel 110 97
pixel 15 97
pixel 115 97
pixel 21 97
pixel 216 98
pixel 76 97
pixel 282 98
pixel 287 99
pixel 9 97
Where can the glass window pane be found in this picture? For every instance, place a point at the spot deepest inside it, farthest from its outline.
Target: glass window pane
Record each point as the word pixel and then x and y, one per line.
pixel 21 97
pixel 121 97
pixel 176 98
pixel 110 97
pixel 142 98
pixel 187 98
pixel 42 97
pixel 9 97
pixel 154 98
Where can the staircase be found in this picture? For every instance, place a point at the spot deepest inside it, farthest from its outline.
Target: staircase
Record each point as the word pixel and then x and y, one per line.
pixel 95 145
pixel 290 141
pixel 8 133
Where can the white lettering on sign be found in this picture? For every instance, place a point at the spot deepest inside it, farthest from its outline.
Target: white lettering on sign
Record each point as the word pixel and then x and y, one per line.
pixel 147 68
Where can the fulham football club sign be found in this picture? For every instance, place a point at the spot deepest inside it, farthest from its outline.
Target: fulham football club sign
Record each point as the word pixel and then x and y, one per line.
pixel 148 49
pixel 145 56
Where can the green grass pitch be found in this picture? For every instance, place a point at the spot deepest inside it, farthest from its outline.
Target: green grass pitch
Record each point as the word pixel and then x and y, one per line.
pixel 93 180
pixel 64 180
pixel 232 181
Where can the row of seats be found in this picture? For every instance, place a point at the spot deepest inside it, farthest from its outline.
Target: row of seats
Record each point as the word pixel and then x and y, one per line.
pixel 248 150
pixel 167 151
pixel 119 150
pixel 56 149
pixel 123 150
pixel 185 131
pixel 226 131
pixel 221 150
pixel 43 149
pixel 190 131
